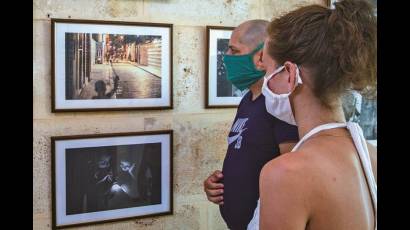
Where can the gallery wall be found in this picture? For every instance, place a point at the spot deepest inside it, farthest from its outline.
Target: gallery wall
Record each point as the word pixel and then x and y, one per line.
pixel 199 134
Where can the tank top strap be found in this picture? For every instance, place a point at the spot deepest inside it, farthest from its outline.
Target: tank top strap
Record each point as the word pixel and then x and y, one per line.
pixel 316 130
pixel 364 156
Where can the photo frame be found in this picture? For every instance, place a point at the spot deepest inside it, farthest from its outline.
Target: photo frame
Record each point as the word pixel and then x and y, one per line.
pixel 110 65
pixel 329 3
pixel 109 177
pixel 220 93
pixel 360 108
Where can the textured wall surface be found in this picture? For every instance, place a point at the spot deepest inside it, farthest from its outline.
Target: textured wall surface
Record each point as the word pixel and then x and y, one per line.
pixel 199 134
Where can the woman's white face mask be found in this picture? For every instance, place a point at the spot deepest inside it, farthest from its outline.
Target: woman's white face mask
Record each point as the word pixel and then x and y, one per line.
pixel 278 105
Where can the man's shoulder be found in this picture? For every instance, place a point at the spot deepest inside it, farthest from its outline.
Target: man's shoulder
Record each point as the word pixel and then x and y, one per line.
pixel 258 104
pixel 254 111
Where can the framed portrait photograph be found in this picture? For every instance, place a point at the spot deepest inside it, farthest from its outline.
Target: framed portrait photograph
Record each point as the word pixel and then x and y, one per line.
pixel 220 93
pixel 105 65
pixel 110 177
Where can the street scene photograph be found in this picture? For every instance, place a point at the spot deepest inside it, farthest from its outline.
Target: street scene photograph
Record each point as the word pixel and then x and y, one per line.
pixel 112 66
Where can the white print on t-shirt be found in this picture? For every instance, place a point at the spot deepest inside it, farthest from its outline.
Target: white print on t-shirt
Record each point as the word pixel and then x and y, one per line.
pixel 238 127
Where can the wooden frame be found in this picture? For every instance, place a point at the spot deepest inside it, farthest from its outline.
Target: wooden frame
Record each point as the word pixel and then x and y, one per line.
pixel 211 96
pixel 61 144
pixel 160 48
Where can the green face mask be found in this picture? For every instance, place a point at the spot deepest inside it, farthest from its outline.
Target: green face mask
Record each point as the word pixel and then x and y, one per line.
pixel 241 70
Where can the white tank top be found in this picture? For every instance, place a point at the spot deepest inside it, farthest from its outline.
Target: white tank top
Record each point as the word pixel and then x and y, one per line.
pixel 361 147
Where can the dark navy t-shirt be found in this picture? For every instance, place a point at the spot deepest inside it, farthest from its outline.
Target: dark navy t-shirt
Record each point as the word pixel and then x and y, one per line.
pixel 253 141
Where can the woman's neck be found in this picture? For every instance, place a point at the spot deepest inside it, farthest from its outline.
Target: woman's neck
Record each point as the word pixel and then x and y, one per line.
pixel 310 113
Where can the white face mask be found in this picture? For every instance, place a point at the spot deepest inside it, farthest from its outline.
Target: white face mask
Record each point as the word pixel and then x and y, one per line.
pixel 278 105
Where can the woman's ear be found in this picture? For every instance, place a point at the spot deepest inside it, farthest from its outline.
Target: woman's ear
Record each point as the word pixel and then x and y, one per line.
pixel 290 70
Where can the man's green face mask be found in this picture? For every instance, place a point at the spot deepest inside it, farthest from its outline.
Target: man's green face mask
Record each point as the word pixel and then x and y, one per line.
pixel 241 70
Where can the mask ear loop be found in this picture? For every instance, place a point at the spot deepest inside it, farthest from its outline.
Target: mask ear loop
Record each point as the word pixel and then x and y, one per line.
pixel 259 47
pixel 298 77
pixel 278 70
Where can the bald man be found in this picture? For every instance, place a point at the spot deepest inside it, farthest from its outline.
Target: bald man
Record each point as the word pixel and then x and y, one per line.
pixel 255 138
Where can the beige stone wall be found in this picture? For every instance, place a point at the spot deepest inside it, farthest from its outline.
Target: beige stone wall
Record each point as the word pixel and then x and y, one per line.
pixel 199 134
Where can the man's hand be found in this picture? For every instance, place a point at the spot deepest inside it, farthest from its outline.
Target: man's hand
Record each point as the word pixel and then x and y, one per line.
pixel 214 190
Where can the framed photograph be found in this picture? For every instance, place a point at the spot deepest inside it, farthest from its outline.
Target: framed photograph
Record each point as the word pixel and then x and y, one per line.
pixel 363 110
pixel 220 93
pixel 330 3
pixel 105 65
pixel 111 177
pixel 359 108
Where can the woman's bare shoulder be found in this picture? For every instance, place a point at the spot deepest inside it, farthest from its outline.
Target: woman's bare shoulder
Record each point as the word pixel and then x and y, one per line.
pixel 290 179
pixel 289 166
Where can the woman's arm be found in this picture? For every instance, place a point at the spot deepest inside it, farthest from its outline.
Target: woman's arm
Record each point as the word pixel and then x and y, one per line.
pixel 283 195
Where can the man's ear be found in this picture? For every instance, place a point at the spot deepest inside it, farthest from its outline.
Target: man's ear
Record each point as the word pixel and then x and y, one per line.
pixel 257 60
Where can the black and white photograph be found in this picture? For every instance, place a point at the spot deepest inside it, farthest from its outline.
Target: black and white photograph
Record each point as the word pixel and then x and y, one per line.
pixel 220 92
pixel 108 66
pixel 108 177
pixel 224 87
